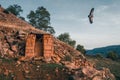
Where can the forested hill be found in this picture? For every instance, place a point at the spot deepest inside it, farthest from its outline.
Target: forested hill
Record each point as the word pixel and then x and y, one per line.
pixel 104 50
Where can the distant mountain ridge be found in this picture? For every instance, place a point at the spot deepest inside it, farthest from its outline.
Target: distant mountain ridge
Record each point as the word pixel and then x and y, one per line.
pixel 104 50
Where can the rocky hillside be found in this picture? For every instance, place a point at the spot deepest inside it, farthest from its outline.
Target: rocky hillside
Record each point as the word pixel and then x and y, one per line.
pixel 65 64
pixel 100 62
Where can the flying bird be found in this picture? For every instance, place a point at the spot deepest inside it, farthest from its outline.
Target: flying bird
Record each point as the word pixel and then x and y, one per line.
pixel 90 16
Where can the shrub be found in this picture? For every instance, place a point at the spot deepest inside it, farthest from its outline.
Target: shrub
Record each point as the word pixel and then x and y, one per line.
pixel 51 66
pixel 112 55
pixel 81 49
pixel 3 77
pixel 99 55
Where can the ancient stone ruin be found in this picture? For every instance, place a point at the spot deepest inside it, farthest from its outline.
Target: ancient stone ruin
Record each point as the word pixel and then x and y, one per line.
pixel 39 45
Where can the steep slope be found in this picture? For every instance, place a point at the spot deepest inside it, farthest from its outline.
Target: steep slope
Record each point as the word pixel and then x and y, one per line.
pixel 65 60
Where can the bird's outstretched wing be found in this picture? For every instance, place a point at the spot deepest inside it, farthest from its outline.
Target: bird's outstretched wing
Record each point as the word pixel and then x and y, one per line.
pixel 90 16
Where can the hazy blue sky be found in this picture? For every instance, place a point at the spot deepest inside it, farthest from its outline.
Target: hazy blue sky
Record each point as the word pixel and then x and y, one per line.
pixel 72 16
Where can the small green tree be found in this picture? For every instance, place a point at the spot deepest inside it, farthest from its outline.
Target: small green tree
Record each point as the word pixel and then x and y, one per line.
pixel 72 43
pixel 112 55
pixel 16 10
pixel 40 18
pixel 65 37
pixel 81 49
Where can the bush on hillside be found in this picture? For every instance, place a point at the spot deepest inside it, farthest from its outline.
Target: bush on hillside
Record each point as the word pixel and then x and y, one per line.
pixel 112 55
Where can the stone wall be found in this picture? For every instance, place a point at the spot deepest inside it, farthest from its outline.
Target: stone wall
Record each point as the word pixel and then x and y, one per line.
pixel 48 48
pixel 35 48
pixel 30 45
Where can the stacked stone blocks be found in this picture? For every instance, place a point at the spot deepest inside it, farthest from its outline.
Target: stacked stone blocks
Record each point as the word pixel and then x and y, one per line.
pixel 48 45
pixel 47 49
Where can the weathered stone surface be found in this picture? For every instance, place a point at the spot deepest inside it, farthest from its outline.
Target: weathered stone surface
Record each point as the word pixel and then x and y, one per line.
pixel 97 78
pixel 89 71
pixel 14 48
pixel 26 68
pixel 48 48
pixel 6 72
pixel 11 53
pixel 30 45
pixel 56 58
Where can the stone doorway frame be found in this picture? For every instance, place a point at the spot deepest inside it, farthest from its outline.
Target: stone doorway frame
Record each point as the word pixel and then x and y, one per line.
pixel 46 41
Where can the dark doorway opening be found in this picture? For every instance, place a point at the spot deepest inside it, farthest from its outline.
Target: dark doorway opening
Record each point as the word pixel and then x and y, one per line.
pixel 39 45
